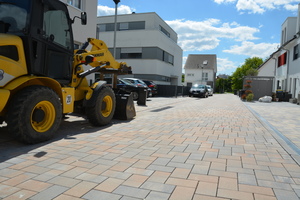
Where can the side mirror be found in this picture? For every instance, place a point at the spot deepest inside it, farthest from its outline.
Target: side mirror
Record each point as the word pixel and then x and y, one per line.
pixel 83 18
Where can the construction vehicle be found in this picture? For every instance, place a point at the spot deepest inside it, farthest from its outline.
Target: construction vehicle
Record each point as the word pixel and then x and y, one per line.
pixel 42 77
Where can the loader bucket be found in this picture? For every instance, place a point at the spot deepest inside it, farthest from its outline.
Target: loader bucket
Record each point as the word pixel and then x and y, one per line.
pixel 125 109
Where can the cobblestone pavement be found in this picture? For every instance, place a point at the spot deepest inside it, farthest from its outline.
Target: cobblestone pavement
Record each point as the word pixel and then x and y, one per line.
pixel 175 148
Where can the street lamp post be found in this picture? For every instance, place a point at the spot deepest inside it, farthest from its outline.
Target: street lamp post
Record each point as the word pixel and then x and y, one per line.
pixel 115 31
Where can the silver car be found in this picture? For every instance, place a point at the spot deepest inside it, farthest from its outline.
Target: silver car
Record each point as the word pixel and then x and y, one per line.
pixel 210 90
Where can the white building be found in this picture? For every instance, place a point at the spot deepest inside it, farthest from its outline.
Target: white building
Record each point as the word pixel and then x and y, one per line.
pixel 82 32
pixel 284 63
pixel 146 43
pixel 201 69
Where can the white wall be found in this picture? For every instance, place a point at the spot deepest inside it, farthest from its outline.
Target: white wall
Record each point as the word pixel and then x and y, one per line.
pixel 197 75
pixel 268 68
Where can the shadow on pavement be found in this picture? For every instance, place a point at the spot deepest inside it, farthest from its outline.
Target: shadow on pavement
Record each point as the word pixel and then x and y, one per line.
pixel 69 128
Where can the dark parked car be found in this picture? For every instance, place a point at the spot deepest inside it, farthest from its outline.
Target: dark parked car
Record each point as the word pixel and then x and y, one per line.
pixel 140 83
pixel 198 91
pixel 128 87
pixel 152 86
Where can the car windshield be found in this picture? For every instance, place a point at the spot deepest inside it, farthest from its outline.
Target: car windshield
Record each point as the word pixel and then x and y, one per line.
pixel 198 87
pixel 13 15
pixel 124 81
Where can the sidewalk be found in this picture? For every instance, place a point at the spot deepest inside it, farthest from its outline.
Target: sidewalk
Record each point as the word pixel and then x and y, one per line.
pixel 176 148
pixel 283 118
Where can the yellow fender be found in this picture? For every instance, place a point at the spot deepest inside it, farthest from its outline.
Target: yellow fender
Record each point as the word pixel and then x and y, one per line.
pixel 18 84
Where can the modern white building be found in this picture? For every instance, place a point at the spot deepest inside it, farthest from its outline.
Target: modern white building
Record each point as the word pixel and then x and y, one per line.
pixel 284 63
pixel 82 32
pixel 201 69
pixel 146 43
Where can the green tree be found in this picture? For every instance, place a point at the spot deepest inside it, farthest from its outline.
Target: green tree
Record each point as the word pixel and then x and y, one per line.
pixel 249 68
pixel 223 85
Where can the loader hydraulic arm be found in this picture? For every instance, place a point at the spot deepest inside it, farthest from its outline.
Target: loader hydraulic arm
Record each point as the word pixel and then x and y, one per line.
pixel 100 59
pixel 99 55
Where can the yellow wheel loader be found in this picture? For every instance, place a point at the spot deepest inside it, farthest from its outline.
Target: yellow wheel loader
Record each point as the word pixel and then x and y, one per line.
pixel 42 77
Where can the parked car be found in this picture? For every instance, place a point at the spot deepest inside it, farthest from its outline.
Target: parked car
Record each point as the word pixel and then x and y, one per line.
pixel 198 90
pixel 152 86
pixel 140 83
pixel 210 90
pixel 128 87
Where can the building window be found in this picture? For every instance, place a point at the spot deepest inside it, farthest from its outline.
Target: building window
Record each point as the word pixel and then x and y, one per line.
pixel 296 52
pixel 205 76
pixel 190 74
pixel 282 59
pixel 123 26
pixel 75 3
pixel 168 58
pixel 131 53
pixel 145 53
pixel 164 31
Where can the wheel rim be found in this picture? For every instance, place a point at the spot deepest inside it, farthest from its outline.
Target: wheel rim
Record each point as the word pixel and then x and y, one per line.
pixel 107 105
pixel 46 121
pixel 135 95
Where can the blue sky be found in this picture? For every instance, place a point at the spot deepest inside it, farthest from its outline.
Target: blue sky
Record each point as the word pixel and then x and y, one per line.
pixel 232 29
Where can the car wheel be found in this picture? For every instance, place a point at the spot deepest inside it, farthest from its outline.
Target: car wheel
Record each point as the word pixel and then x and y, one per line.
pixel 135 95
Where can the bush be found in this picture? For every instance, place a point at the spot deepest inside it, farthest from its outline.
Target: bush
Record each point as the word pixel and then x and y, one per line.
pixel 250 97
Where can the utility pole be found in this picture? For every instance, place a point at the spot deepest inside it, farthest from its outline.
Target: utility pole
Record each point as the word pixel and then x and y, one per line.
pixel 115 31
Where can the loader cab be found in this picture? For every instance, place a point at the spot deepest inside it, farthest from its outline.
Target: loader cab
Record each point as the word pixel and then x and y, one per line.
pixel 45 29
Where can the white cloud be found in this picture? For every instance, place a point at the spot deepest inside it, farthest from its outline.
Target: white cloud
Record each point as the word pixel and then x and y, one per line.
pixel 122 9
pixel 251 5
pixel 261 6
pixel 262 50
pixel 224 1
pixel 224 65
pixel 206 35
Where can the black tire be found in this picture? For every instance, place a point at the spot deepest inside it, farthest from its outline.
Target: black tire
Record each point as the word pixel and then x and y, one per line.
pixel 103 110
pixel 34 115
pixel 135 95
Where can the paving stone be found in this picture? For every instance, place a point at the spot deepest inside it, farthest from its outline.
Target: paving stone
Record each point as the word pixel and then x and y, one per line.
pixel 96 195
pixel 64 181
pixel 182 193
pixel 233 194
pixel 153 195
pixel 285 194
pixel 207 188
pixel 256 189
pixel 228 183
pixel 80 189
pixel 49 193
pixel 182 182
pixel 247 179
pixel 66 197
pixel 131 191
pixel 109 184
pixel 91 177
pixel 159 187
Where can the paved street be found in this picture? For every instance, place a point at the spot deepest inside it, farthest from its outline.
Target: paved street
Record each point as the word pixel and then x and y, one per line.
pixel 175 148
